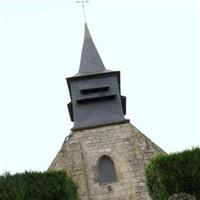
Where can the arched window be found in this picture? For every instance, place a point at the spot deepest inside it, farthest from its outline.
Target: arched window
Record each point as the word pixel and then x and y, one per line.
pixel 106 170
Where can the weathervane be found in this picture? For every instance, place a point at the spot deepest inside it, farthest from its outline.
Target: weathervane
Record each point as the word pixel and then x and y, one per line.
pixel 83 6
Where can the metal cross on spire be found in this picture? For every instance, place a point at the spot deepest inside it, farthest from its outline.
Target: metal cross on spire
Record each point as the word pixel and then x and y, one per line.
pixel 83 6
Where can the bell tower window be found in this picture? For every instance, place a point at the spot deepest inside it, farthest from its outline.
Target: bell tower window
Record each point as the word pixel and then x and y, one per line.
pixel 106 170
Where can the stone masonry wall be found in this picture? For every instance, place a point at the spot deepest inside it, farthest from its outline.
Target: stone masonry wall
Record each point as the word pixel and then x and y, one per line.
pixel 130 151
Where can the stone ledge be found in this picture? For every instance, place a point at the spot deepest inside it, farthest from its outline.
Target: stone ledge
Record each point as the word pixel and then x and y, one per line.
pixel 182 196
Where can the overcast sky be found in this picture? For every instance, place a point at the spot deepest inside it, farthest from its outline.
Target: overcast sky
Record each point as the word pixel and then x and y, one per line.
pixel 155 45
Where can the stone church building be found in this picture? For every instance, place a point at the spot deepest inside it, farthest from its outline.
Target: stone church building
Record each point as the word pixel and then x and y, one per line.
pixel 104 153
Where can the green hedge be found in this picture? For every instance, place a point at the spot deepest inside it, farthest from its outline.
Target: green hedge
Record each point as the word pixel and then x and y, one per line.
pixel 174 173
pixel 37 186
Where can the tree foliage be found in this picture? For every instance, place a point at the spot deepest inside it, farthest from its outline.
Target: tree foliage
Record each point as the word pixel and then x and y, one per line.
pixel 49 185
pixel 174 173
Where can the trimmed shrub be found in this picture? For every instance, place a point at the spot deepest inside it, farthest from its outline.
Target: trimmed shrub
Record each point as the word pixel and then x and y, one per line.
pixel 175 173
pixel 52 185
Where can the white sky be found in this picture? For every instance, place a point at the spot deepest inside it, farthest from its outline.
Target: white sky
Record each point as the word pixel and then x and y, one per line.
pixel 155 45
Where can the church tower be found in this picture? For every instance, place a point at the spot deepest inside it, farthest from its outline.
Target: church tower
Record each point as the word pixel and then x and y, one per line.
pixel 95 91
pixel 104 153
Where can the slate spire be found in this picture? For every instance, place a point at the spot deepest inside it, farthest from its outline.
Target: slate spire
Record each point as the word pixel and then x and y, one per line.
pixel 95 91
pixel 90 59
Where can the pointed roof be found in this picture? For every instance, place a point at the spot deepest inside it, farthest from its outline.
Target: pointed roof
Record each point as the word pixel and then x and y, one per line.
pixel 91 62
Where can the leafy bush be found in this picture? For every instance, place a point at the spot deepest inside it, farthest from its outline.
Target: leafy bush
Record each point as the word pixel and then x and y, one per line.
pixel 37 186
pixel 174 173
